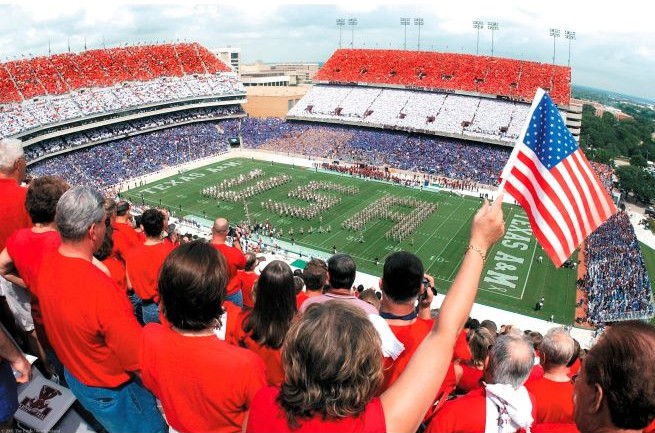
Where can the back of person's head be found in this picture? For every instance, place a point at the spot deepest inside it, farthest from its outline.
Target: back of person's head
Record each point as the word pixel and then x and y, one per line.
pixel 43 194
pixel 490 325
pixel 110 206
pixel 314 275
pixel 576 353
pixel 332 362
pixel 251 261
pixel 341 271
pixel 480 342
pixel 536 339
pixel 275 305
pixel 557 347
pixel 402 275
pixel 192 286
pixel 107 245
pixel 11 150
pixel 122 208
pixel 472 323
pixel 77 210
pixel 298 283
pixel 370 296
pixel 510 360
pixel 221 227
pixel 622 364
pixel 152 221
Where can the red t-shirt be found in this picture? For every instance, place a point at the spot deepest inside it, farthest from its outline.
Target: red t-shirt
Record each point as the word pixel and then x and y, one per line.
pixel 117 270
pixel 233 324
pixel 462 350
pixel 300 298
pixel 554 400
pixel 90 324
pixel 125 238
pixel 27 250
pixel 13 214
pixel 272 357
pixel 203 383
pixel 467 414
pixel 143 264
pixel 267 416
pixel 243 281
pixel 470 380
pixel 234 257
pixel 411 336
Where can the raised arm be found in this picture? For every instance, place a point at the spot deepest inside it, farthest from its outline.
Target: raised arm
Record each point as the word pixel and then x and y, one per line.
pixel 408 399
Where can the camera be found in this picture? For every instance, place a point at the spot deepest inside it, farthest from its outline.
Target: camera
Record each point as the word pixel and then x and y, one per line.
pixel 232 232
pixel 424 294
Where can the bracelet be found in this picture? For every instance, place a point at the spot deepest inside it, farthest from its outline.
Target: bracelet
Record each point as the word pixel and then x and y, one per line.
pixel 478 250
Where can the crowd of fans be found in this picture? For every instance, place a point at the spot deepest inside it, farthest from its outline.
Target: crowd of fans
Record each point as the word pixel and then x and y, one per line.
pixel 617 283
pixel 415 111
pixel 512 78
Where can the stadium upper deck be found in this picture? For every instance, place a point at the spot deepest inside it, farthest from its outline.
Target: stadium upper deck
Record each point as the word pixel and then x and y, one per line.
pixel 448 72
pixel 21 80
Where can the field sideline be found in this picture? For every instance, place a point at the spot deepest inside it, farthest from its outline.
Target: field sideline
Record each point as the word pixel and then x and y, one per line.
pixel 513 279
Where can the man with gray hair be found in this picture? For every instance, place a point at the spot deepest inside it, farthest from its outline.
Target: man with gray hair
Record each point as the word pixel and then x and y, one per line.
pixel 90 322
pixel 13 216
pixel 503 405
pixel 554 391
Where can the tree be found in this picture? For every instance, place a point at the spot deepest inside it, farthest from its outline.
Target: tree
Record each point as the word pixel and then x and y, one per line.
pixel 638 160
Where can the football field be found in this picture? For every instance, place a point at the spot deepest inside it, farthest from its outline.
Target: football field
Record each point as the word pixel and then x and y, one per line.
pixel 368 220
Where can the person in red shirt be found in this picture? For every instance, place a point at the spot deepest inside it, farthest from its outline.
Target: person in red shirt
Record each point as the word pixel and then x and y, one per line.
pixel 90 323
pixel 125 237
pixel 332 359
pixel 13 216
pixel 554 391
pixel 144 262
pixel 203 383
pixel 233 254
pixel 503 405
pixel 26 248
pixel 265 327
pixel 469 374
pixel 245 280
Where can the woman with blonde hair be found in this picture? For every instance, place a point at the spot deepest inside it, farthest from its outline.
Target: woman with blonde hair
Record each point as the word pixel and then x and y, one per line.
pixel 469 374
pixel 333 361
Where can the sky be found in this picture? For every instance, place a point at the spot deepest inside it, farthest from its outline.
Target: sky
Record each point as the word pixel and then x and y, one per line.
pixel 613 49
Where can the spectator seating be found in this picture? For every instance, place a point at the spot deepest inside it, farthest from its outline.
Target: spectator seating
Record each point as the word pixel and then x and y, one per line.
pixel 448 71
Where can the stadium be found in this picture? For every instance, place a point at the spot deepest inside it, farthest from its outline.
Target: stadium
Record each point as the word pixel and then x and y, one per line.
pixel 389 150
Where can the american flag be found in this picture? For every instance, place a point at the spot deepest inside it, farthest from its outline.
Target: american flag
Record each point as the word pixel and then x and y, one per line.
pixel 551 178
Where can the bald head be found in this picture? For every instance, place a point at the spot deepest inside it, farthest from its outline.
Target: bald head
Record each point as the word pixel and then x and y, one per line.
pixel 221 225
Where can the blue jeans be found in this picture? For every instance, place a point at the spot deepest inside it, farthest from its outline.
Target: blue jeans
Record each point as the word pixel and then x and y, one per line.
pixel 136 306
pixel 8 392
pixel 236 298
pixel 150 313
pixel 126 408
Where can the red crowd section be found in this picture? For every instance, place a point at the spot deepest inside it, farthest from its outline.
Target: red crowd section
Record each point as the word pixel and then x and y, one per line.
pixel 61 73
pixel 447 71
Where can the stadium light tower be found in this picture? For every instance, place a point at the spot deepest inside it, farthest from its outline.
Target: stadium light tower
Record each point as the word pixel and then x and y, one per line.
pixel 570 35
pixel 340 23
pixel 493 26
pixel 419 22
pixel 352 22
pixel 478 25
pixel 555 34
pixel 405 22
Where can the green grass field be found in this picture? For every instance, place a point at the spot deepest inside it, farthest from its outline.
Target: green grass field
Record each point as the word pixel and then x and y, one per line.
pixel 513 278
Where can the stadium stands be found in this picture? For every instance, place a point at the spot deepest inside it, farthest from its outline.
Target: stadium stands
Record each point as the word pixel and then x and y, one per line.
pixel 510 78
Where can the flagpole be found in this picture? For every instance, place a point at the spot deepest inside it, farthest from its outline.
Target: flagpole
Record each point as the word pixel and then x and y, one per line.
pixel 519 141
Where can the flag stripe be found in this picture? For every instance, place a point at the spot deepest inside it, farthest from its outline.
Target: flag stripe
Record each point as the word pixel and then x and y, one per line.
pixel 542 232
pixel 582 205
pixel 607 205
pixel 549 204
